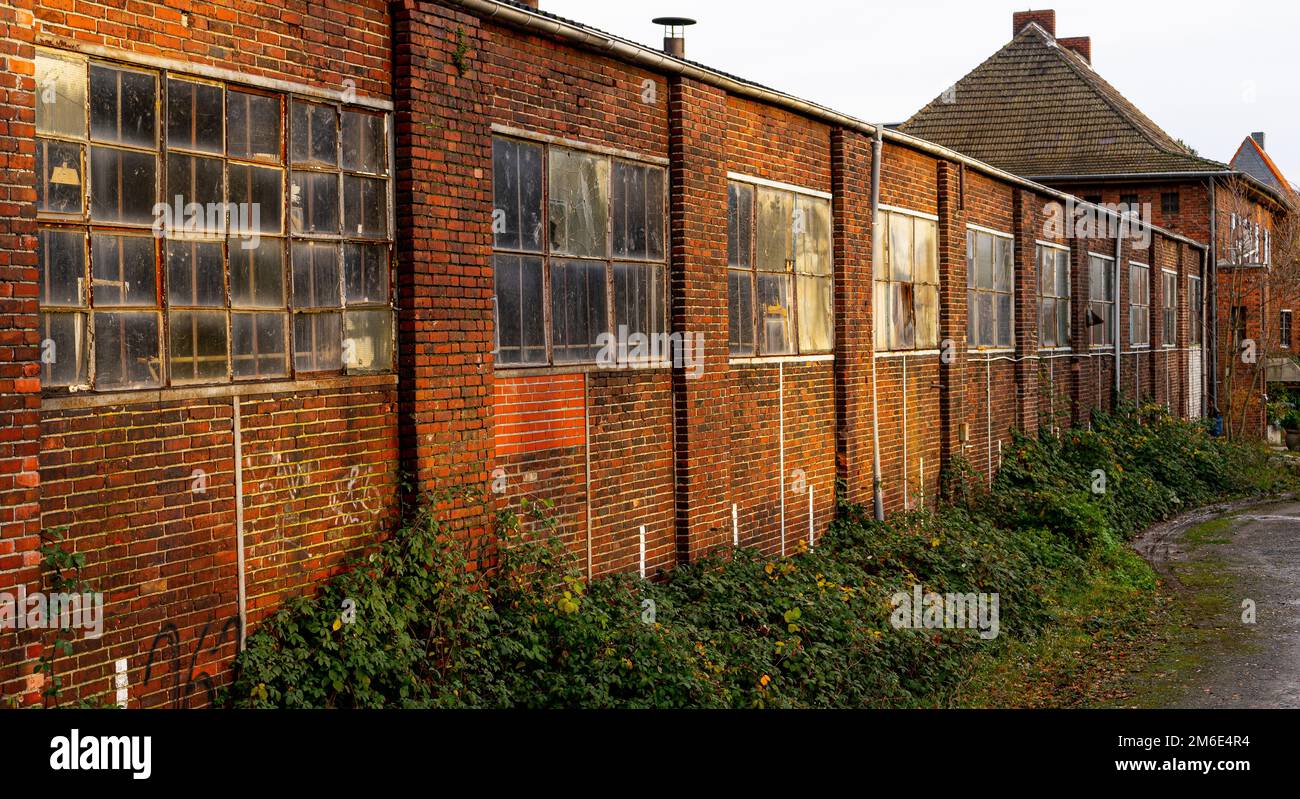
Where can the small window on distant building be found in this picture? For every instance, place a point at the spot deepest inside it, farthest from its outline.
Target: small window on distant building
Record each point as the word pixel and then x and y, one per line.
pixel 1237 324
pixel 1169 202
pixel 1128 202
pixel 1284 332
pixel 1169 304
pixel 1095 199
pixel 1195 311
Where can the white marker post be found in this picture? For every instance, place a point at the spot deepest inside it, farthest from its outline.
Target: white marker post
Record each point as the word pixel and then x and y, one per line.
pixel 810 516
pixel 735 527
pixel 643 552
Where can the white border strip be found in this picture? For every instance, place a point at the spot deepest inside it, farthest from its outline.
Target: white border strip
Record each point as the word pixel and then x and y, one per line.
pixel 922 214
pixel 773 184
pixel 1000 234
pixel 1052 245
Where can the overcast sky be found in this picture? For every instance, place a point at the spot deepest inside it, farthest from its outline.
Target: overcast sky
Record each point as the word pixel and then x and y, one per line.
pixel 1207 72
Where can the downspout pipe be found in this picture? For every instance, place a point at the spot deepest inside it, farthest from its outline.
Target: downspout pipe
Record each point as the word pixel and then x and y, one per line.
pixel 877 496
pixel 1119 272
pixel 1210 279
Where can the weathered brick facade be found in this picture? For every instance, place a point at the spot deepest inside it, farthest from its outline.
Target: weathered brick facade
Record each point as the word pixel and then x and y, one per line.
pixel 300 473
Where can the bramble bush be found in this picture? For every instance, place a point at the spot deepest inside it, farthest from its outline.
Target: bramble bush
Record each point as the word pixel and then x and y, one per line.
pixel 742 629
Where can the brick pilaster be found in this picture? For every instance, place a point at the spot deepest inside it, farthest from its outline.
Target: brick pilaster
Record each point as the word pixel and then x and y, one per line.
pixel 952 308
pixel 1025 223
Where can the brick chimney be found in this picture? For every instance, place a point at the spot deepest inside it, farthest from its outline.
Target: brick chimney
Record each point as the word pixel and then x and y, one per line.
pixel 1079 44
pixel 529 3
pixel 1045 19
pixel 1258 136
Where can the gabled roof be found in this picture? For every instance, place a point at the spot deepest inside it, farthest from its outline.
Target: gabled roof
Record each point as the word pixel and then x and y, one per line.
pixel 1036 108
pixel 1254 161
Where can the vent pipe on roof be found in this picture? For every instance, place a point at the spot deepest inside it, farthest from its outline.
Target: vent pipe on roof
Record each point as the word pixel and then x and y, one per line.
pixel 674 34
pixel 1258 136
pixel 1046 20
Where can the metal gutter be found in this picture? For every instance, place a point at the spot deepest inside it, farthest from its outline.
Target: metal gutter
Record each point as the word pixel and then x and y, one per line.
pixel 641 55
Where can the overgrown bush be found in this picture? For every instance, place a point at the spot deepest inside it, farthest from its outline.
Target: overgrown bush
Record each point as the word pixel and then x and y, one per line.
pixel 409 626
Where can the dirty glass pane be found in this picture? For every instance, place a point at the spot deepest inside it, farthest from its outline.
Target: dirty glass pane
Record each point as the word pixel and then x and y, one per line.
pixel 740 224
pixel 59 190
pixel 776 328
pixel 972 317
pixel 775 222
pixel 578 309
pixel 252 126
pixel 812 231
pixel 638 211
pixel 1046 270
pixel 816 314
pixel 365 273
pixel 318 342
pixel 198 345
pixel 1101 279
pixel 1062 323
pixel 314 207
pixel 123 106
pixel 194 116
pixel 123 267
pixel 984 261
pixel 927 315
pixel 313 134
pixel 256 197
pixel 365 207
pixel 517 195
pixel 902 320
pixel 368 340
pixel 520 332
pixel 1047 322
pixel 63 349
pixel 1002 263
pixel 579 202
pixel 193 179
pixel 987 330
pixel 970 259
pixel 925 252
pixel 60 95
pixel 880 247
pixel 881 315
pixel 257 345
pixel 315 275
pixel 256 273
pixel 126 350
pixel 63 267
pixel 639 299
pixel 1194 310
pixel 900 247
pixel 740 312
pixel 1005 318
pixel 363 143
pixel 123 185
pixel 194 273
pixel 1062 274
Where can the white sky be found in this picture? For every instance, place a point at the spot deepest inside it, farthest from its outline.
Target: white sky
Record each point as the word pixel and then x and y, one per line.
pixel 1207 72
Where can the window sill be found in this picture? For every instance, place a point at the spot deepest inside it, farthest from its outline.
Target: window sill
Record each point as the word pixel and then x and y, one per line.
pixel 521 370
pixel 91 399
pixel 763 360
pixel 905 353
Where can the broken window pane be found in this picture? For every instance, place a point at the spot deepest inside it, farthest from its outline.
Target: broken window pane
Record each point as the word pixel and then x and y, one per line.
pixel 368 340
pixel 124 270
pixel 60 94
pixel 252 126
pixel 198 346
pixel 812 229
pixel 900 247
pixel 257 345
pixel 365 207
pixel 815 314
pixel 520 334
pixel 638 211
pixel 775 327
pixel 740 311
pixel 927 315
pixel 194 273
pixel 123 186
pixel 902 321
pixel 880 315
pixel 192 179
pixel 256 197
pixel 63 349
pixel 578 309
pixel 774 250
pixel 517 195
pixel 364 142
pixel 315 202
pixel 579 203
pixel 194 116
pixel 256 273
pixel 925 250
pixel 740 224
pixel 59 190
pixel 63 268
pixel 365 273
pixel 126 350
pixel 639 298
pixel 314 134
pixel 316 275
pixel 123 106
pixel 317 342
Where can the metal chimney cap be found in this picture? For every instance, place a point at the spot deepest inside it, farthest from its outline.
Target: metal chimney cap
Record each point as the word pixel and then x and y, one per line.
pixel 673 22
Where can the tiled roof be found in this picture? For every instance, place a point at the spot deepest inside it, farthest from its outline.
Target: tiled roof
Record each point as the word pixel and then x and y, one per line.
pixel 1254 161
pixel 1038 109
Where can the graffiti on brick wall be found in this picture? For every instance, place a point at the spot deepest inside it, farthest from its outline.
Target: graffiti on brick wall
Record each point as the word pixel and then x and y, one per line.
pixel 176 662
